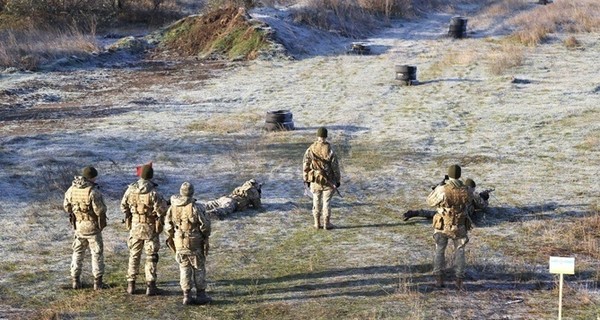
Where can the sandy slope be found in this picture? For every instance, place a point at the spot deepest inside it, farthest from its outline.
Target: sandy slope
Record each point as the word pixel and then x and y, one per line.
pixel 536 143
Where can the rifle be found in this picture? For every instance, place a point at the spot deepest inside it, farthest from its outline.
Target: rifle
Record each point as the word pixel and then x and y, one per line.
pixel 485 194
pixel 334 188
pixel 307 190
pixel 73 220
pixel 441 183
pixel 127 220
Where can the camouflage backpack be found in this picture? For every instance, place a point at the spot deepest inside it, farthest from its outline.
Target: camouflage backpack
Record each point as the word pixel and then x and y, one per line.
pixel 454 222
pixel 188 234
pixel 320 164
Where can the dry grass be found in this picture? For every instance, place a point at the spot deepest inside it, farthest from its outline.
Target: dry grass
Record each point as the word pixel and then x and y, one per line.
pixel 28 50
pixel 506 57
pixel 572 42
pixel 534 26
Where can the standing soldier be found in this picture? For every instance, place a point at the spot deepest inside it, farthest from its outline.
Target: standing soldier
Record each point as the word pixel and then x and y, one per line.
pixel 87 213
pixel 321 173
pixel 144 210
pixel 188 229
pixel 451 221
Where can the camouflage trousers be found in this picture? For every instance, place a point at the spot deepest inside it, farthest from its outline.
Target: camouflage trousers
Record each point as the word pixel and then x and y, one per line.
pixel 439 261
pixel 80 245
pixel 150 248
pixel 192 271
pixel 221 207
pixel 321 201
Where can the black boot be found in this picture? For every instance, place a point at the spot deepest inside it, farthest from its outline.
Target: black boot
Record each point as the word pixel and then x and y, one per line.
pixel 75 283
pixel 187 299
pixel 202 297
pixel 130 287
pixel 151 289
pixel 98 285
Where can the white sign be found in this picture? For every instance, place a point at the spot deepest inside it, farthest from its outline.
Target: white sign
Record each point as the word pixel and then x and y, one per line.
pixel 562 265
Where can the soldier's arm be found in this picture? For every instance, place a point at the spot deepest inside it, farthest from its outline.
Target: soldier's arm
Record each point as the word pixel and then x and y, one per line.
pixel 436 196
pixel 205 225
pixel 124 204
pixel 99 207
pixel 169 229
pixel 66 203
pixel 306 165
pixel 335 166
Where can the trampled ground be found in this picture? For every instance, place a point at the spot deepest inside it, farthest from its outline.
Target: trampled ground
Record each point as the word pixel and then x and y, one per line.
pixel 532 133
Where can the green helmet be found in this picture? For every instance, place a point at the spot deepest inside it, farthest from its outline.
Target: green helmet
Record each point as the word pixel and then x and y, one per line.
pixel 322 132
pixel 187 189
pixel 470 183
pixel 89 172
pixel 454 171
pixel 147 172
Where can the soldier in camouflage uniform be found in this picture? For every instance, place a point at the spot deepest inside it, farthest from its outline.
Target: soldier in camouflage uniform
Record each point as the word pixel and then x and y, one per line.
pixel 452 201
pixel 144 210
pixel 479 203
pixel 321 173
pixel 242 197
pixel 87 211
pixel 188 230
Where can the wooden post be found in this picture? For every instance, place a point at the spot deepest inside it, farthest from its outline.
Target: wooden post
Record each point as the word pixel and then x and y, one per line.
pixel 560 289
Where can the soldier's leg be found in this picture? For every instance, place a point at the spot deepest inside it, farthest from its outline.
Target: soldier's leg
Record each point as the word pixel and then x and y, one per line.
pixel 185 276
pixel 439 260
pixel 97 250
pixel 151 248
pixel 327 195
pixel 317 206
pixel 198 263
pixel 135 252
pixel 459 256
pixel 79 247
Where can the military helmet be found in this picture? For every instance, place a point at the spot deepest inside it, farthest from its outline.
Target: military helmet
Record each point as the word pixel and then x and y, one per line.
pixel 89 172
pixel 322 132
pixel 147 172
pixel 454 171
pixel 187 189
pixel 470 183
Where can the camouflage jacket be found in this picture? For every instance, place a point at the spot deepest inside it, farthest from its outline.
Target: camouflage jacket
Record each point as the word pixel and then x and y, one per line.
pixel 84 202
pixel 187 224
pixel 320 164
pixel 247 195
pixel 145 208
pixel 452 201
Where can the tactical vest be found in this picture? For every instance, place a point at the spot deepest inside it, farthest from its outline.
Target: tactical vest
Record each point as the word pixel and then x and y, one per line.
pixel 141 207
pixel 187 226
pixel 454 220
pixel 320 164
pixel 81 204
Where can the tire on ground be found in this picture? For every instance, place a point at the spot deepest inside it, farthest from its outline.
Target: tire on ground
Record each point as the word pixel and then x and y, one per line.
pixel 278 116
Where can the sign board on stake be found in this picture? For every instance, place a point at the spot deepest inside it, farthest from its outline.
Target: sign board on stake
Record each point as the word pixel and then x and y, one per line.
pixel 561 266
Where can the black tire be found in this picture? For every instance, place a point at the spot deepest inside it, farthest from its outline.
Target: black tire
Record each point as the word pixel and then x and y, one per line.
pixel 406 69
pixel 278 116
pixel 457 28
pixel 283 126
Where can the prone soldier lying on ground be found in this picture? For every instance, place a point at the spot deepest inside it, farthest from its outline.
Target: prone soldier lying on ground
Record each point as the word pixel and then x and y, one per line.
pixel 242 197
pixel 479 203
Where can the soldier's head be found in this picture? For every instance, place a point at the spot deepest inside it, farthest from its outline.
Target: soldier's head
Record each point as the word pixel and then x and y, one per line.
pixel 454 171
pixel 147 172
pixel 187 189
pixel 470 183
pixel 89 173
pixel 322 132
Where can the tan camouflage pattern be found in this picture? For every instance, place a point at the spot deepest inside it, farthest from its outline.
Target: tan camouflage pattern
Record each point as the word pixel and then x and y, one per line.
pixel 320 164
pixel 245 196
pixel 451 221
pixel 188 224
pixel 85 201
pixel 320 167
pixel 147 207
